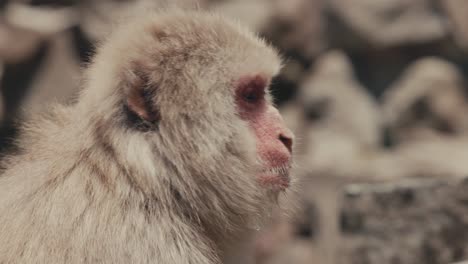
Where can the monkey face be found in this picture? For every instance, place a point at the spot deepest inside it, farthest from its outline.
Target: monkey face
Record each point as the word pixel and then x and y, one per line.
pixel 274 140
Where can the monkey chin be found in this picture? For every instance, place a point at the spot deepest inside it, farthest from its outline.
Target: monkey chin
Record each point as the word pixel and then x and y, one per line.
pixel 276 179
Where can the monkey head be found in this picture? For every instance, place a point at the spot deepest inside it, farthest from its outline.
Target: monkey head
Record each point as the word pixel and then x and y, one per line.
pixel 187 98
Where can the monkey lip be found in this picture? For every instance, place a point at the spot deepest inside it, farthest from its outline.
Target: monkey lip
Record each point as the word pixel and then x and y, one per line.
pixel 276 177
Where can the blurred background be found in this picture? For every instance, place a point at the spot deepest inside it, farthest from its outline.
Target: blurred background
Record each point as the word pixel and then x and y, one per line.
pixel 375 91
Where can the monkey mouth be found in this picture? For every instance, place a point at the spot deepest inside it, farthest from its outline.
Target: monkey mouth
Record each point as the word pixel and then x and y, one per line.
pixel 276 178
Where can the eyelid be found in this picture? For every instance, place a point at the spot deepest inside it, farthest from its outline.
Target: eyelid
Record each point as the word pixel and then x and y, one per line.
pixel 256 92
pixel 255 86
pixel 252 81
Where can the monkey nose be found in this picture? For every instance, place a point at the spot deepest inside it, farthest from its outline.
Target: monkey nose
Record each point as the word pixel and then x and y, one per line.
pixel 287 140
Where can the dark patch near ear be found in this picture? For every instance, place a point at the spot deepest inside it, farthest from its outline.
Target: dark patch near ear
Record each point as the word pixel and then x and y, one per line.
pixel 134 121
pixel 142 112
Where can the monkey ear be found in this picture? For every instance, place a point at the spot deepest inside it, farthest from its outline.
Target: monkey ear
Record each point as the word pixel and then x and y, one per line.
pixel 140 98
pixel 137 103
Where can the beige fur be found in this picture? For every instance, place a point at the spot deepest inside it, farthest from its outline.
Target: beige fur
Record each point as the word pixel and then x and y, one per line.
pixel 89 186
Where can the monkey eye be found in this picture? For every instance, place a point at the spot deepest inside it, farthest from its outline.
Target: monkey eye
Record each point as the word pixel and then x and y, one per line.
pixel 252 90
pixel 254 96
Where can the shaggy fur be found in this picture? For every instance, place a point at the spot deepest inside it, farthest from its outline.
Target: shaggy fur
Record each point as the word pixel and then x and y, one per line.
pixel 96 184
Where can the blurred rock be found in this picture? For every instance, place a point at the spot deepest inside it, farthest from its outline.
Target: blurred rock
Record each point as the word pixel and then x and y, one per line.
pixel 340 121
pixel 293 26
pixel 457 12
pixel 297 27
pixel 256 14
pixel 26 30
pixel 17 44
pixel 335 102
pixel 99 17
pixel 405 221
pixel 428 101
pixel 2 104
pixel 42 19
pixel 438 157
pixel 48 86
pixel 339 126
pixel 382 24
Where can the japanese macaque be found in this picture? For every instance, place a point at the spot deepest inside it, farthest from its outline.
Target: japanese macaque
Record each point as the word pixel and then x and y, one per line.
pixel 172 153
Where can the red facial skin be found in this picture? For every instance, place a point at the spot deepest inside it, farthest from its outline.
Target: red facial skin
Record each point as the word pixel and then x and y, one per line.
pixel 274 139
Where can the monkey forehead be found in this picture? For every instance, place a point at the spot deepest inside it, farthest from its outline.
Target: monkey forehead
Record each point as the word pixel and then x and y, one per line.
pixel 189 39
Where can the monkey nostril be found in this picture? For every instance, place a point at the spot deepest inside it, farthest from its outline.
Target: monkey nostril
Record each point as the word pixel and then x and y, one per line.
pixel 287 141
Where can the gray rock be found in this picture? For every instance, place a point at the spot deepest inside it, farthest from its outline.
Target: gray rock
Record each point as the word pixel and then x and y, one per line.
pixel 339 121
pixel 335 102
pixel 427 102
pixel 256 14
pixel 97 18
pixel 298 27
pixel 407 221
pixel 437 157
pixel 17 44
pixel 58 79
pixel 457 13
pixel 387 23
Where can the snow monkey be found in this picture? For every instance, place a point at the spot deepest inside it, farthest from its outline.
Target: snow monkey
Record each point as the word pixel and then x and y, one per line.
pixel 172 153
